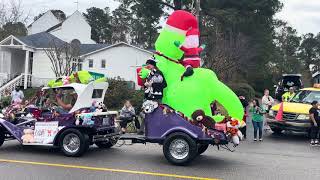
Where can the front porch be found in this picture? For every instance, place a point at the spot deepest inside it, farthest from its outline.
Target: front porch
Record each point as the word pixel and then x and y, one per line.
pixel 16 60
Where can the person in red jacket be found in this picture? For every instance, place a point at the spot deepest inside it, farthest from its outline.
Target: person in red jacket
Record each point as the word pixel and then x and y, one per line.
pixel 191 50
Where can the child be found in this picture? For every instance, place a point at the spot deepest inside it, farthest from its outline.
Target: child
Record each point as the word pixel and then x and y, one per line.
pixel 257 118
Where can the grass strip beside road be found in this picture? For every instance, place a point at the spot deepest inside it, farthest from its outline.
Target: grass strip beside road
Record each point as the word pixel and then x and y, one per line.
pixel 105 169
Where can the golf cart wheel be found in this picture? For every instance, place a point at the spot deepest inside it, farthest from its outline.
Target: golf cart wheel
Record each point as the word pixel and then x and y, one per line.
pixel 202 148
pixel 276 130
pixel 179 148
pixel 107 144
pixel 73 143
pixel 2 136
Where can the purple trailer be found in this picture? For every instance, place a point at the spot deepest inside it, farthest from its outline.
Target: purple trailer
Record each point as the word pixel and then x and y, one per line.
pixel 181 140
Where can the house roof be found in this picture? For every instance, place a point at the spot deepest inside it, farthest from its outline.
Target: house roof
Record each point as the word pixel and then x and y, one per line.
pixel 115 45
pixel 87 48
pixel 41 40
pixel 49 11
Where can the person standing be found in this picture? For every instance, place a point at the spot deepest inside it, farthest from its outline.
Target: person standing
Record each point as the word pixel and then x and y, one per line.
pixel 288 95
pixel 155 83
pixel 315 122
pixel 267 102
pixel 244 103
pixel 257 118
pixel 17 95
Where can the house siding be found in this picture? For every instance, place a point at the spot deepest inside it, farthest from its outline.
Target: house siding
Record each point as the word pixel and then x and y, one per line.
pixel 120 61
pixel 43 23
pixel 75 27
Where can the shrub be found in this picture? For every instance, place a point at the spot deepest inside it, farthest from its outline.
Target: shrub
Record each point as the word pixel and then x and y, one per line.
pixel 120 90
pixel 243 89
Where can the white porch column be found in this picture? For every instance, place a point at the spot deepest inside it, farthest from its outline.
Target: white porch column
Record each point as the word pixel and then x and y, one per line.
pixel 26 69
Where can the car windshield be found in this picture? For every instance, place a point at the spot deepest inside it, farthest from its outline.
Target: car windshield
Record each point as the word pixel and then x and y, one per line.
pixel 306 96
pixel 291 81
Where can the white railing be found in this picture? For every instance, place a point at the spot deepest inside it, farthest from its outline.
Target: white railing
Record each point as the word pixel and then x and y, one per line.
pixel 6 89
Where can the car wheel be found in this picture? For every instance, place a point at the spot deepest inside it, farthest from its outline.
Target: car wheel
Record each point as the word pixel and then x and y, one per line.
pixel 179 148
pixel 74 143
pixel 2 136
pixel 276 130
pixel 202 148
pixel 107 144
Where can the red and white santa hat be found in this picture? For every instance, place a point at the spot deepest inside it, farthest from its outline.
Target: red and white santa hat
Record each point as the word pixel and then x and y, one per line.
pixel 193 32
pixel 181 21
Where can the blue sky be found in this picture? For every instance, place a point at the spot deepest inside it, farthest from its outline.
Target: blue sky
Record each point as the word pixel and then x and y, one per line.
pixel 304 15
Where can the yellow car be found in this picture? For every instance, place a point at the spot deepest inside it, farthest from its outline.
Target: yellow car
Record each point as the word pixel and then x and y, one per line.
pixel 295 112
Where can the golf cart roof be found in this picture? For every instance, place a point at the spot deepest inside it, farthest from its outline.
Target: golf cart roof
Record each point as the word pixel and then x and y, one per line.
pixel 284 75
pixel 87 93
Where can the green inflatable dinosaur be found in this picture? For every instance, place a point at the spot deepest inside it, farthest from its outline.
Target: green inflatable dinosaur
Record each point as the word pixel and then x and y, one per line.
pixel 199 90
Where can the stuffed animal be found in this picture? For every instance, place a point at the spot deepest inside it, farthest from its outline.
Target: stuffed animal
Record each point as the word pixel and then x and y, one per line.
pixel 93 106
pixel 199 117
pixel 87 119
pixel 149 106
pixel 66 80
pixel 100 107
pixel 28 136
pixel 233 129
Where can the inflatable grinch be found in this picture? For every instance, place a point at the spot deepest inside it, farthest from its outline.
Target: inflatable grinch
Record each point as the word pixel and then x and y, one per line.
pixel 196 91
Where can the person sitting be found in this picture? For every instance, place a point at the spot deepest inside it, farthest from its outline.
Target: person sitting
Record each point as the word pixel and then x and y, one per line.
pixel 128 114
pixel 66 106
pixel 288 95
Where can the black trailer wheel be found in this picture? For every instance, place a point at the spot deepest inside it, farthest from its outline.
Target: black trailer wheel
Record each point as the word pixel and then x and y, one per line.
pixel 202 148
pixel 107 144
pixel 74 143
pixel 179 148
pixel 2 136
pixel 276 130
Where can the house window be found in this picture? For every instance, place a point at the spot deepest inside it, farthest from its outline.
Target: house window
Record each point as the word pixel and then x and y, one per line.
pixel 103 63
pixel 80 65
pixel 90 63
pixel 76 65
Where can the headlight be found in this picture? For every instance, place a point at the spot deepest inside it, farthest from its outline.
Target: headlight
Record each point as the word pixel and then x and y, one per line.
pixel 271 113
pixel 303 117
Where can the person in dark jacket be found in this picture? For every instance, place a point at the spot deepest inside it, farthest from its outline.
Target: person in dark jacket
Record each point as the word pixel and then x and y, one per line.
pixel 155 82
pixel 245 104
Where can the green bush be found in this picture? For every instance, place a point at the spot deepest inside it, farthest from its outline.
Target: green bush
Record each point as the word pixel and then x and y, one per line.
pixel 30 93
pixel 243 89
pixel 119 91
pixel 5 102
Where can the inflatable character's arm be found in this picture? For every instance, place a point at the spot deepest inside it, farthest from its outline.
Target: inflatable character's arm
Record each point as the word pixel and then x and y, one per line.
pixel 201 48
pixel 180 46
pixel 144 73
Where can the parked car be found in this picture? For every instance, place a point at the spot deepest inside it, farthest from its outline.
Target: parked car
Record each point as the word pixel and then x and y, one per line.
pixel 287 81
pixel 73 131
pixel 295 112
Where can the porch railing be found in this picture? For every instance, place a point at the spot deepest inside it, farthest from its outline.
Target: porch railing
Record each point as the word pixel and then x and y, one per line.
pixel 6 89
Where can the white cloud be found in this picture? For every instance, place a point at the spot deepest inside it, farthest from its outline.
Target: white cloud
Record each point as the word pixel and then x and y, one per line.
pixel 304 15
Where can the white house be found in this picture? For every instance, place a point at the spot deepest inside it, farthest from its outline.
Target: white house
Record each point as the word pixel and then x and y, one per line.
pixel 46 21
pixel 23 60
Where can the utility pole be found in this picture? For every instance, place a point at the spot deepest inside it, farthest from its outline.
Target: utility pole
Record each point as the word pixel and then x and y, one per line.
pixel 197 12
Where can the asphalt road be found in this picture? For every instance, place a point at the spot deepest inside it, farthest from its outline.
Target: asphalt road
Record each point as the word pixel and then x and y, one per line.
pixel 277 157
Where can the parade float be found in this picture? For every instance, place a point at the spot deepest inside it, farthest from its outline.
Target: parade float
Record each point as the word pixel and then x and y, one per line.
pixel 183 123
pixel 43 122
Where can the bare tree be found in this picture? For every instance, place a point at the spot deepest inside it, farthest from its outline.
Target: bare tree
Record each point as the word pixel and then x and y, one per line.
pixel 11 12
pixel 226 53
pixel 64 57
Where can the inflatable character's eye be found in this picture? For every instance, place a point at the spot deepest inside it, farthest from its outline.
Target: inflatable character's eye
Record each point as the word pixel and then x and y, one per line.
pixel 199 118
